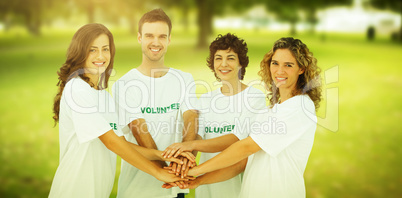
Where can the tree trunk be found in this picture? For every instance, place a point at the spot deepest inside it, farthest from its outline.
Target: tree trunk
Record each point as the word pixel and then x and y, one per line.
pixel 133 23
pixel 204 22
pixel 32 22
pixel 293 28
pixel 400 30
pixel 91 13
pixel 185 18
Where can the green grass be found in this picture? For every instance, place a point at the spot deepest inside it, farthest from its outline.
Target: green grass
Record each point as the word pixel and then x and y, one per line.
pixel 361 159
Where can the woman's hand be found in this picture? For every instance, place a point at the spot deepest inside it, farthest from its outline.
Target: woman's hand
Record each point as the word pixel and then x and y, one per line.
pixel 191 184
pixel 165 176
pixel 176 149
pixel 185 155
pixel 195 171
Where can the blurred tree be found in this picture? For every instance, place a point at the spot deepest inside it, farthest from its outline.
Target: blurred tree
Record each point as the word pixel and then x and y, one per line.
pixel 207 9
pixel 184 6
pixel 292 9
pixel 26 12
pixel 130 9
pixel 394 5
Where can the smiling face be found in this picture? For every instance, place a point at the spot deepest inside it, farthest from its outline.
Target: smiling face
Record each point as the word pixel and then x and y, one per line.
pixel 284 69
pixel 98 58
pixel 154 39
pixel 226 65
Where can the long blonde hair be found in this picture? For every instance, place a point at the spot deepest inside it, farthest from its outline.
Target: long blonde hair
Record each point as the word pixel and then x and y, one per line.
pixel 77 54
pixel 308 83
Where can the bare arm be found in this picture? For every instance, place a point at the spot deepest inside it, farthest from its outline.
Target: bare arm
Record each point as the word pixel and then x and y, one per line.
pixel 233 154
pixel 153 154
pixel 190 128
pixel 213 145
pixel 140 131
pixel 130 155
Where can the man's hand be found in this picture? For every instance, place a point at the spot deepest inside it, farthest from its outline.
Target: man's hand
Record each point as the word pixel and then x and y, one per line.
pixel 176 149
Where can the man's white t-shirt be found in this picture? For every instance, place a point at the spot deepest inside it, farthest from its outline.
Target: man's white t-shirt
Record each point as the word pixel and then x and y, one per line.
pixel 86 168
pixel 222 115
pixel 161 102
pixel 286 136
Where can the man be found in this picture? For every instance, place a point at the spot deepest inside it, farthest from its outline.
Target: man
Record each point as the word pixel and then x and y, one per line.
pixel 154 101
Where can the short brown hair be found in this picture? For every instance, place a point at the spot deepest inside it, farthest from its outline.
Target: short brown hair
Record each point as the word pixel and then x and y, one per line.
pixel 154 16
pixel 229 42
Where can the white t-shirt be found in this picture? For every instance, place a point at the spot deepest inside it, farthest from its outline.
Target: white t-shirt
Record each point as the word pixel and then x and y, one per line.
pixel 286 136
pixel 87 168
pixel 161 102
pixel 222 115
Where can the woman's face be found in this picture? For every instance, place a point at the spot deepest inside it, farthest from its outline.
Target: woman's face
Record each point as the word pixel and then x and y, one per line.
pixel 226 65
pixel 99 56
pixel 284 69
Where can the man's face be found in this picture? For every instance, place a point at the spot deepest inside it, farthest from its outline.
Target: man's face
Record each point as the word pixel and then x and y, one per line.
pixel 154 40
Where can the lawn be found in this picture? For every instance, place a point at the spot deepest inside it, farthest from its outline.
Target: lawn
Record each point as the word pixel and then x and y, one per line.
pixel 356 151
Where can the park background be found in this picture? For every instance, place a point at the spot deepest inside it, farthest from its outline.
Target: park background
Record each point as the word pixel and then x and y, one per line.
pixel 357 150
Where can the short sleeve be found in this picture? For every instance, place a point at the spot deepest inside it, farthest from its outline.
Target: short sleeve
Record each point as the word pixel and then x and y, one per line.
pixel 190 97
pixel 87 120
pixel 276 130
pixel 126 102
pixel 254 105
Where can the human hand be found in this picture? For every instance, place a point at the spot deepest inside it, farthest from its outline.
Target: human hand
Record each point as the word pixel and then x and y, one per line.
pixel 187 165
pixel 165 176
pixel 176 149
pixel 194 171
pixel 191 183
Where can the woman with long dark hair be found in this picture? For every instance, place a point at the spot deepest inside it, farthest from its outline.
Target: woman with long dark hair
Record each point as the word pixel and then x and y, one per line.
pixel 88 132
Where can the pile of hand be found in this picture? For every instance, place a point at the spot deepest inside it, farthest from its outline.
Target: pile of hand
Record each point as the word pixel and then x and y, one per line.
pixel 184 169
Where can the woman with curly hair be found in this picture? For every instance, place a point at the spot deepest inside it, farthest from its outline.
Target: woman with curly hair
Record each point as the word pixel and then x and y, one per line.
pixel 88 131
pixel 281 140
pixel 224 112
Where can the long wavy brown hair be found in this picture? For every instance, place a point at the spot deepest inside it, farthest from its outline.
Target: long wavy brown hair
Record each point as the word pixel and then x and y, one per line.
pixel 308 83
pixel 77 54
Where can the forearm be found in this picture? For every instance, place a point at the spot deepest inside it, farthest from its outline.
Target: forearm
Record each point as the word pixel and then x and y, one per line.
pixel 150 154
pixel 122 148
pixel 190 128
pixel 233 154
pixel 214 145
pixel 223 174
pixel 140 131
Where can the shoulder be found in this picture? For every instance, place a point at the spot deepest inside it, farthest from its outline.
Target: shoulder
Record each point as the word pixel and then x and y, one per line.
pixel 130 75
pixel 210 94
pixel 301 106
pixel 300 101
pixel 252 91
pixel 186 75
pixel 77 85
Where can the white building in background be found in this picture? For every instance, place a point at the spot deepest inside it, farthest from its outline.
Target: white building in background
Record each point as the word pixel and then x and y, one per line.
pixel 357 19
pixel 347 19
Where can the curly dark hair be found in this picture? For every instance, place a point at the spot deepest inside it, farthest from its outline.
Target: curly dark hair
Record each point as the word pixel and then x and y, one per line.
pixel 308 83
pixel 77 54
pixel 226 42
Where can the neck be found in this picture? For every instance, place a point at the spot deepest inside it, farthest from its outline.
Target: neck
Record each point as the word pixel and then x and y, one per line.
pixel 285 93
pixel 155 69
pixel 232 88
pixel 94 79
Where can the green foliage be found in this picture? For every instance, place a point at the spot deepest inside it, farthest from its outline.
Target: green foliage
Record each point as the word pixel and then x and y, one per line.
pixel 361 159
